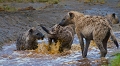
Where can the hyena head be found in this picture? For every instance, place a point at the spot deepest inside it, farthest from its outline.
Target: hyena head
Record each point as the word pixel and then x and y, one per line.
pixel 35 34
pixel 70 18
pixel 113 18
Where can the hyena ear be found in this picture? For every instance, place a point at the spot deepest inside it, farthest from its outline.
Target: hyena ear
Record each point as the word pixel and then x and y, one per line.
pixel 30 30
pixel 71 15
pixel 113 15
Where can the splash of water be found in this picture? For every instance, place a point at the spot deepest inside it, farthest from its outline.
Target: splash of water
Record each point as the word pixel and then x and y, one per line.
pixel 43 48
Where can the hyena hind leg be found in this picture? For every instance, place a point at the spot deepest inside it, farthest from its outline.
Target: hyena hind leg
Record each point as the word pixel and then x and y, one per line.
pixel 105 40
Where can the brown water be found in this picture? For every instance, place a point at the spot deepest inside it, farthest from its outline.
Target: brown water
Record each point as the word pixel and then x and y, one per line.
pixel 43 57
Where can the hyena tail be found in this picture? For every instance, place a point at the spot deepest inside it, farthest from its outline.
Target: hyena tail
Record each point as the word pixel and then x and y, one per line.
pixel 45 29
pixel 114 39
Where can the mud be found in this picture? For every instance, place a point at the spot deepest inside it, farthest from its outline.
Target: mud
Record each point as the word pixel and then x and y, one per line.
pixel 14 23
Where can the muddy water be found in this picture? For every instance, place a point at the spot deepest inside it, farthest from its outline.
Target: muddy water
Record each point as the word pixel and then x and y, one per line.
pixel 43 57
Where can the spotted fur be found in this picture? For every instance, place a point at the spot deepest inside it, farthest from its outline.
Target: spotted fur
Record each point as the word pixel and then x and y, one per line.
pixel 28 39
pixel 64 35
pixel 95 28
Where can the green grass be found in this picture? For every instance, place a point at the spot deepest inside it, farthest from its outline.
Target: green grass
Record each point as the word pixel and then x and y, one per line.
pixel 115 61
pixel 93 1
pixel 7 8
pixel 118 5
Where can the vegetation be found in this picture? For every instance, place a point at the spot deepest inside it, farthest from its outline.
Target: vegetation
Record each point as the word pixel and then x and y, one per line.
pixel 32 1
pixel 116 60
pixel 93 1
pixel 7 8
pixel 118 5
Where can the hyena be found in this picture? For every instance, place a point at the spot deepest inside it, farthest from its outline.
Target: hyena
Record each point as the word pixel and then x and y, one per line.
pixel 64 35
pixel 112 19
pixel 28 39
pixel 94 28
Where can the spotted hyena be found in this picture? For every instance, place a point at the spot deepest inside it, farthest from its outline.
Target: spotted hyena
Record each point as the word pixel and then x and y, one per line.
pixel 112 19
pixel 64 35
pixel 95 28
pixel 28 40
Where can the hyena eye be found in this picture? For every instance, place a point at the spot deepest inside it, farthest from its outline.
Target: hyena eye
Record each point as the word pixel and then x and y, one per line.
pixel 63 19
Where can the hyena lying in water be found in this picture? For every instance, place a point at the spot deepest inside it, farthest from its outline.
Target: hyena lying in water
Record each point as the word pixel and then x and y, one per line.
pixel 28 40
pixel 64 35
pixel 95 28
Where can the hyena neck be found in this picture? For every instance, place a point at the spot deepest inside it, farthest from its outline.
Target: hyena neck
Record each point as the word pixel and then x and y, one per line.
pixel 109 19
pixel 78 19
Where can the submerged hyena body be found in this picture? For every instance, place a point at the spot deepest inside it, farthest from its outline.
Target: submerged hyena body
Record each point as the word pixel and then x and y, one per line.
pixel 64 35
pixel 28 40
pixel 95 28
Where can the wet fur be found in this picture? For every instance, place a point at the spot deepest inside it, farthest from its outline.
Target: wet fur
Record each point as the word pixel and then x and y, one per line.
pixel 64 35
pixel 28 39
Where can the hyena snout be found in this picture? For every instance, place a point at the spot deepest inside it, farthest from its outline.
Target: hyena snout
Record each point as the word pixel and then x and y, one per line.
pixel 65 22
pixel 40 36
pixel 116 21
pixel 61 23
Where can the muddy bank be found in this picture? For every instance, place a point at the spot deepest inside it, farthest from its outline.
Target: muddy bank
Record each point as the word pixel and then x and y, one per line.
pixel 14 23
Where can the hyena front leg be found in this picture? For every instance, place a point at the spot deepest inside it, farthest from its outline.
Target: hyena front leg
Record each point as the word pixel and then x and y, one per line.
pixel 86 48
pixel 81 42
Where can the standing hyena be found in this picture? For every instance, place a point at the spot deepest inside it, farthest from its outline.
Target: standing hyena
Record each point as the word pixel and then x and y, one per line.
pixel 64 35
pixel 28 40
pixel 112 19
pixel 95 28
